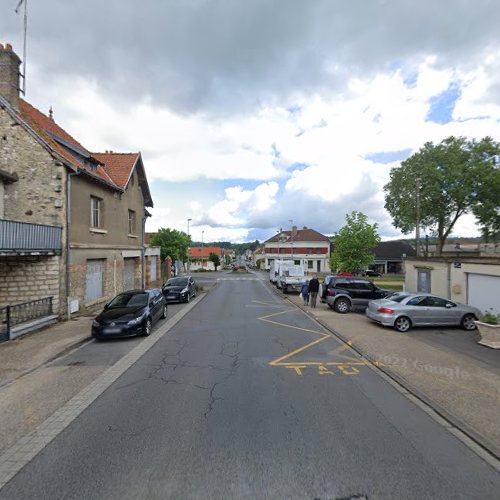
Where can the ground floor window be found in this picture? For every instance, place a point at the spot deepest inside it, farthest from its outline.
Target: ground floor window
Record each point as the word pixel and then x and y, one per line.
pixel 310 264
pixel 95 279
pixel 129 273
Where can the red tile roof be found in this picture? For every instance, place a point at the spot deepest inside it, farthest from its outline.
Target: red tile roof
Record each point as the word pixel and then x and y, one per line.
pixel 303 235
pixel 45 126
pixel 118 165
pixel 204 252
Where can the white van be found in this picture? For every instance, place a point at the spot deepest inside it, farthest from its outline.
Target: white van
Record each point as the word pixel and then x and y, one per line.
pixel 275 267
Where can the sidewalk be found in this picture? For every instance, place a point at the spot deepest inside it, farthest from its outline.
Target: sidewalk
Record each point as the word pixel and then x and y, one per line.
pixel 26 353
pixel 461 387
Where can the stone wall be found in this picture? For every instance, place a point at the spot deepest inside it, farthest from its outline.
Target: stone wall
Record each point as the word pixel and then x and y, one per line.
pixel 23 279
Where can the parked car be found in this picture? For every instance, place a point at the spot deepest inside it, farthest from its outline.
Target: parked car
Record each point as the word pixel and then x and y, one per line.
pixel 180 289
pixel 404 310
pixel 370 273
pixel 344 293
pixel 130 313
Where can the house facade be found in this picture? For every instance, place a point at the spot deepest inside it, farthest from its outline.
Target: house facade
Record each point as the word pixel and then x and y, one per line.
pixel 389 256
pixel 71 221
pixel 305 246
pixel 199 258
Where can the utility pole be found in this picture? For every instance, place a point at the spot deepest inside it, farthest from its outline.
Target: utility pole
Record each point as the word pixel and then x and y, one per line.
pixel 188 262
pixel 417 228
pixel 291 234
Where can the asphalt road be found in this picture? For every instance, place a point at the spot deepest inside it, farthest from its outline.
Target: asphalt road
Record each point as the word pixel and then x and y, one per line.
pixel 247 397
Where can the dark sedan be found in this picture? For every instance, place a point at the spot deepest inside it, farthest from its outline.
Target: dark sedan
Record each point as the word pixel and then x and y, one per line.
pixel 179 289
pixel 130 313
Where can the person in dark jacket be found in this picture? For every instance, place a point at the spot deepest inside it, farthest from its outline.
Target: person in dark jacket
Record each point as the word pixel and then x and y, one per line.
pixel 305 293
pixel 313 290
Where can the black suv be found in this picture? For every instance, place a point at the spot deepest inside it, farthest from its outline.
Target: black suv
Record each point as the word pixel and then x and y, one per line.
pixel 343 293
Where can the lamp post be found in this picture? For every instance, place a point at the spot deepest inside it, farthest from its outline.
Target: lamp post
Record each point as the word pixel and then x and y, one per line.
pixel 188 262
pixel 291 235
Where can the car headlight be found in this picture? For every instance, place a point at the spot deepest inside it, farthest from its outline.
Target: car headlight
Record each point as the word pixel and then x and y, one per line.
pixel 96 323
pixel 134 321
pixel 184 290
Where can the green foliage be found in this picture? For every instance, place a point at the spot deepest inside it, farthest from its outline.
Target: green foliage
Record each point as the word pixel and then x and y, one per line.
pixel 490 318
pixel 173 243
pixel 227 260
pixel 354 243
pixel 452 178
pixel 215 259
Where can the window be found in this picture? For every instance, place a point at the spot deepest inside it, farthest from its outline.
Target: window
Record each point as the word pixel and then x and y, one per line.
pixel 424 280
pixel 95 212
pixel 310 264
pixel 131 222
pixel 153 269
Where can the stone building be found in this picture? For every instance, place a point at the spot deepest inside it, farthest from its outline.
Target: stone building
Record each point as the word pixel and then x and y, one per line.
pixel 71 221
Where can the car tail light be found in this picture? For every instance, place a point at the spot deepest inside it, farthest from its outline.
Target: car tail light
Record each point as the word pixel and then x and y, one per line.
pixel 385 310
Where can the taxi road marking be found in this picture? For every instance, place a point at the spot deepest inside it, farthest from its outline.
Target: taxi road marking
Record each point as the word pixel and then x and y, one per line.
pixel 348 367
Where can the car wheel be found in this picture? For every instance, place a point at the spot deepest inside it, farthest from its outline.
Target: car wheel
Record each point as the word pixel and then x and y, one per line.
pixel 194 293
pixel 164 314
pixel 188 298
pixel 285 289
pixel 342 306
pixel 402 324
pixel 147 327
pixel 467 322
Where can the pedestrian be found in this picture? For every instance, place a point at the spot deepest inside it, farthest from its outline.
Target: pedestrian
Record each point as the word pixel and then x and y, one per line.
pixel 313 290
pixel 304 291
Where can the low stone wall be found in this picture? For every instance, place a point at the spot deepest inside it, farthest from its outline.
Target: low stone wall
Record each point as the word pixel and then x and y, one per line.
pixel 23 279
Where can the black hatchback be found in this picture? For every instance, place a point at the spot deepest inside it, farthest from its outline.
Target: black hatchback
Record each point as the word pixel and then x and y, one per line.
pixel 179 289
pixel 130 313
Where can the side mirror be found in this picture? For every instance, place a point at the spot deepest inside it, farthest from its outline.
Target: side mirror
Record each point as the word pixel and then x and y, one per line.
pixel 106 306
pixel 449 305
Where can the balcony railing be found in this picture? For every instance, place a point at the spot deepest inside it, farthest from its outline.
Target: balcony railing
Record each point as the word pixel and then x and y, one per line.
pixel 22 237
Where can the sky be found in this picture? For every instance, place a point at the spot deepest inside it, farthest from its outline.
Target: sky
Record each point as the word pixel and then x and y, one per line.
pixel 255 115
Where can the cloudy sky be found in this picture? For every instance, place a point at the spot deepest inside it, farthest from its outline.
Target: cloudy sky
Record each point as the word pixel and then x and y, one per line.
pixel 253 113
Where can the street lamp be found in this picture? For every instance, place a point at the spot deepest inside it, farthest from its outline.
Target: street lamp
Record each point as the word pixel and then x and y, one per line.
pixel 291 234
pixel 188 262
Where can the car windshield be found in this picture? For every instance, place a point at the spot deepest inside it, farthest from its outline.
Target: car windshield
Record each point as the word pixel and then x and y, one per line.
pixel 397 297
pixel 177 282
pixel 129 300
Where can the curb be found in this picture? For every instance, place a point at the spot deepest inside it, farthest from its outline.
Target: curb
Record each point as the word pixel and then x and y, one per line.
pixel 488 450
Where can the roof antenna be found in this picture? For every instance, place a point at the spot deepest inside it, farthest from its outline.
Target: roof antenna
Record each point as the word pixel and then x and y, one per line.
pixel 23 90
pixel 51 113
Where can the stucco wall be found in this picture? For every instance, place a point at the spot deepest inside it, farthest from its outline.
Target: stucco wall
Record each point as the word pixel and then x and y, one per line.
pixel 115 209
pixel 446 279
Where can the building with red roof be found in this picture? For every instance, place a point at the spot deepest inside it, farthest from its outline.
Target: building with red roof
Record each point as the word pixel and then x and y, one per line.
pixel 71 220
pixel 199 257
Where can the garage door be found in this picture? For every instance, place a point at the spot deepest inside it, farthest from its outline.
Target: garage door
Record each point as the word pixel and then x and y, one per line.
pixel 484 291
pixel 129 274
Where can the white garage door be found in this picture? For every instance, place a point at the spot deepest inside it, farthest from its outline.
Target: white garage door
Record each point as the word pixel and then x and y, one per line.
pixel 129 273
pixel 484 292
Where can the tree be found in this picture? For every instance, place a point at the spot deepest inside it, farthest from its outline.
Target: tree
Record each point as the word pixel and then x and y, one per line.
pixel 173 243
pixel 354 243
pixel 213 257
pixel 446 181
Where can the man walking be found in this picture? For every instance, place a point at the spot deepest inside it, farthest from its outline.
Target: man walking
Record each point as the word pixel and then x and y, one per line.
pixel 313 290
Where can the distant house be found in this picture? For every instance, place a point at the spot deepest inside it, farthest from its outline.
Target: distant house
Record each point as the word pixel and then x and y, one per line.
pixel 304 246
pixel 71 221
pixel 199 258
pixel 389 256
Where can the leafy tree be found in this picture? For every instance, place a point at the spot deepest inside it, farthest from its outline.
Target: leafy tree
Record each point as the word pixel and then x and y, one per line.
pixel 173 243
pixel 354 243
pixel 213 257
pixel 449 179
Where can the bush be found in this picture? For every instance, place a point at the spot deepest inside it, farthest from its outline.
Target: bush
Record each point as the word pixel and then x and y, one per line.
pixel 491 318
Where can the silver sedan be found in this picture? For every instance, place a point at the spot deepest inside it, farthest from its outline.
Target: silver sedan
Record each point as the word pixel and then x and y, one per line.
pixel 404 310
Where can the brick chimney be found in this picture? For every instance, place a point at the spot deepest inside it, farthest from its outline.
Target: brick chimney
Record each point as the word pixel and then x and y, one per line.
pixel 9 75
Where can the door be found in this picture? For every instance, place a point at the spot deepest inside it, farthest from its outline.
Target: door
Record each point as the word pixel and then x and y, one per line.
pixel 129 274
pixel 94 288
pixel 417 310
pixel 483 291
pixel 424 281
pixel 153 269
pixel 318 266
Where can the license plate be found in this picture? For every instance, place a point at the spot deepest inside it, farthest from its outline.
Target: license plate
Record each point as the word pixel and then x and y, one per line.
pixel 171 296
pixel 112 330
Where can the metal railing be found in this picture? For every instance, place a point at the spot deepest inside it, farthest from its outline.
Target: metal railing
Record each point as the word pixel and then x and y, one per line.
pixel 23 236
pixel 16 314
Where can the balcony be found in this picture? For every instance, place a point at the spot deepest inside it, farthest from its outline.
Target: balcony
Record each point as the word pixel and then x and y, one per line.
pixel 22 238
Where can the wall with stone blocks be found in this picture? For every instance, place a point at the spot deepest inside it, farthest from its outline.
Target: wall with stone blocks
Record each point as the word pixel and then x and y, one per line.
pixel 23 279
